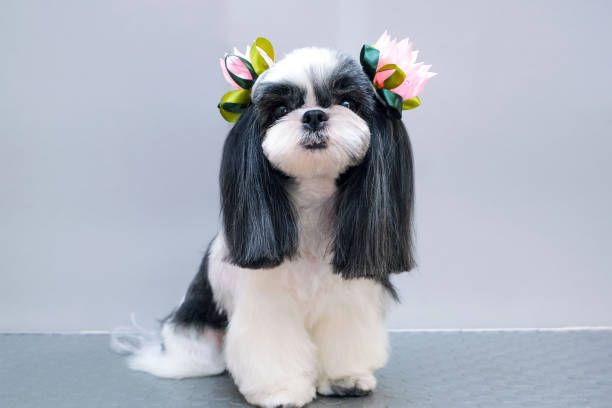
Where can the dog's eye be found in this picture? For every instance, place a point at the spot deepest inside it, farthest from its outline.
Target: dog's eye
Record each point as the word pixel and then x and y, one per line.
pixel 280 111
pixel 346 104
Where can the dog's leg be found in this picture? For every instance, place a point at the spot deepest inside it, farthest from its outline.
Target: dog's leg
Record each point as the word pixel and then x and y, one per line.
pixel 351 338
pixel 268 351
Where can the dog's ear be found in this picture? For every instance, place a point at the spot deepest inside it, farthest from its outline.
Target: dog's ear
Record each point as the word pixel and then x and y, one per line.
pixel 373 224
pixel 258 219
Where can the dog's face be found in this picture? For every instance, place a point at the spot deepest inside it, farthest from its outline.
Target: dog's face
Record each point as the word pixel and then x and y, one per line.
pixel 316 114
pixel 313 107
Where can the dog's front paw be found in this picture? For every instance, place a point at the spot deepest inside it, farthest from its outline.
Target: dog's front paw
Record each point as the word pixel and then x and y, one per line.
pixel 349 386
pixel 294 394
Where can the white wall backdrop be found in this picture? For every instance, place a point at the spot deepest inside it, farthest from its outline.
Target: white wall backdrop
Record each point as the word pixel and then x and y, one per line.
pixel 110 143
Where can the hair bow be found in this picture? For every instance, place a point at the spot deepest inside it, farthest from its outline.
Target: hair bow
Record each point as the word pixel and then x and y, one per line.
pixel 241 71
pixel 392 68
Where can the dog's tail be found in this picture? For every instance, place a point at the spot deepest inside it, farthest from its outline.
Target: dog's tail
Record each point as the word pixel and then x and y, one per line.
pixel 177 352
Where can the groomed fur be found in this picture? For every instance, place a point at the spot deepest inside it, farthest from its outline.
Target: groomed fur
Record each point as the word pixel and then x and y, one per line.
pixel 316 199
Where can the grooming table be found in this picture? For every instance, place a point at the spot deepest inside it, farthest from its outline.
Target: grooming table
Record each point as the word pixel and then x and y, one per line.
pixel 446 369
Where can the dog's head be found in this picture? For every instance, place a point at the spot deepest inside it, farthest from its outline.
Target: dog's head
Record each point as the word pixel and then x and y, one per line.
pixel 316 113
pixel 313 108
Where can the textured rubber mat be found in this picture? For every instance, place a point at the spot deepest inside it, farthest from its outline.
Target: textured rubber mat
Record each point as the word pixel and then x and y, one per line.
pixel 426 369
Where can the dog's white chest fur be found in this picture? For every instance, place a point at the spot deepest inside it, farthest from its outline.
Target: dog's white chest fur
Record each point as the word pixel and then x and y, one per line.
pixel 306 275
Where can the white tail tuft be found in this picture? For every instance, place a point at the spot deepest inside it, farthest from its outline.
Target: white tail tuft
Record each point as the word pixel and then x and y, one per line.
pixel 180 352
pixel 131 339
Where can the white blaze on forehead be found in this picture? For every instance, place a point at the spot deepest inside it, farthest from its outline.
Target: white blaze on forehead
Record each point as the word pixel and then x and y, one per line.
pixel 300 67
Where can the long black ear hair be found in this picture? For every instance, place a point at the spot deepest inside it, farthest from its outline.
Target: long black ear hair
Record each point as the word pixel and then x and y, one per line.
pixel 258 219
pixel 373 224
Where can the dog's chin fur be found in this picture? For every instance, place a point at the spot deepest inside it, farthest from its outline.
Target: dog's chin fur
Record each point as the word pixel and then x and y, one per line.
pixel 292 293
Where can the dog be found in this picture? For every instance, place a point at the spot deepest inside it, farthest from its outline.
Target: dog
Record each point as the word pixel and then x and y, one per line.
pixel 317 200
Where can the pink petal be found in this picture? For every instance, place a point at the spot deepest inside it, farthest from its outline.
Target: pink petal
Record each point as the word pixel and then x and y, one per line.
pixel 415 55
pixel 404 49
pixel 403 90
pixel 402 54
pixel 226 74
pixel 419 86
pixel 238 68
pixel 382 42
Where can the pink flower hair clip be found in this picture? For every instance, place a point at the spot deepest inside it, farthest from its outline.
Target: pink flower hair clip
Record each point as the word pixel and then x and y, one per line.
pixel 241 71
pixel 392 68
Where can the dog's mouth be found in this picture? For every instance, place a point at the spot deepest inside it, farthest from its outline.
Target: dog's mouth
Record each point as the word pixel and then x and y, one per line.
pixel 314 141
pixel 315 145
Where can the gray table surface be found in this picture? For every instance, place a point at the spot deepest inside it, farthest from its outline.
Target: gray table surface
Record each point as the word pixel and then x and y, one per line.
pixel 426 369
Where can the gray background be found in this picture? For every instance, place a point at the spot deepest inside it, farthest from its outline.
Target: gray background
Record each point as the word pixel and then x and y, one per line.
pixel 110 144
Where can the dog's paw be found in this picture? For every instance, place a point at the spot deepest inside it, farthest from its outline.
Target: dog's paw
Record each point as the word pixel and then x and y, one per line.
pixel 291 395
pixel 349 386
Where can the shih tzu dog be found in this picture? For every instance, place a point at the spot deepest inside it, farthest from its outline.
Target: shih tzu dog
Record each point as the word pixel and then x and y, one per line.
pixel 316 196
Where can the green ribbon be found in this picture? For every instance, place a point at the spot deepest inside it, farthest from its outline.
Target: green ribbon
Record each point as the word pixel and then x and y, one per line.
pixel 411 103
pixel 369 60
pixel 259 62
pixel 369 57
pixel 234 103
pixel 393 101
pixel 395 79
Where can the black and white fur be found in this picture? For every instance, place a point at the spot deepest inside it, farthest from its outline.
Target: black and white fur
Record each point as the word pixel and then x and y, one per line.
pixel 291 295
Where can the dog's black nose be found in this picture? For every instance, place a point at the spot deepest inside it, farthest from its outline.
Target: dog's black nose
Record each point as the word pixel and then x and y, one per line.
pixel 314 119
